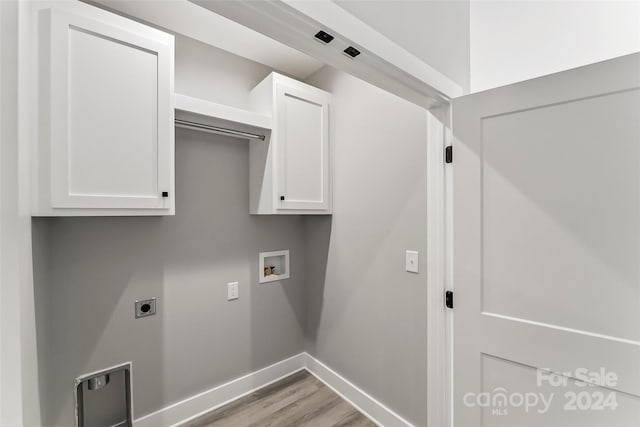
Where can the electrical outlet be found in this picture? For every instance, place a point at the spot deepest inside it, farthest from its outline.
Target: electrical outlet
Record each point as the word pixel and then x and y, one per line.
pixel 232 291
pixel 145 308
pixel 411 261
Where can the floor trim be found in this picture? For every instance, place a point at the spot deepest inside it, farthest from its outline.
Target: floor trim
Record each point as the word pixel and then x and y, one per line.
pixel 369 406
pixel 216 397
pixel 201 403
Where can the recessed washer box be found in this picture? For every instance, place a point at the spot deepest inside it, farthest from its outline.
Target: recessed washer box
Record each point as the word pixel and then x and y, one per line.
pixel 274 266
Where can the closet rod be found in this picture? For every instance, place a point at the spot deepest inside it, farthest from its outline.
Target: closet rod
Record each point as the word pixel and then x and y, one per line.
pixel 217 130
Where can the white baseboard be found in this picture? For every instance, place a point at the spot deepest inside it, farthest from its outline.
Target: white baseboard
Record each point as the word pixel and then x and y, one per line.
pixel 373 409
pixel 206 401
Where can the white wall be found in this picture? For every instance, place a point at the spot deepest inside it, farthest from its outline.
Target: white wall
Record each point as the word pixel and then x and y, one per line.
pixel 19 402
pixel 513 41
pixel 484 44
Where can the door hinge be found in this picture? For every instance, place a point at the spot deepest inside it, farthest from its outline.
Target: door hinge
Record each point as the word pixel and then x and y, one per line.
pixel 448 299
pixel 448 154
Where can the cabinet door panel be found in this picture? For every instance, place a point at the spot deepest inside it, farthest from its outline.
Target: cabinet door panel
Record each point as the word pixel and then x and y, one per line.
pixel 111 135
pixel 303 154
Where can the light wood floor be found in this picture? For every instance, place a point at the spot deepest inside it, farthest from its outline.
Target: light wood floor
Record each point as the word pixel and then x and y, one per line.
pixel 298 400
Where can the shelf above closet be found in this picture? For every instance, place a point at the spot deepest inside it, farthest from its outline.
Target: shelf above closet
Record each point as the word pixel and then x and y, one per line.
pixel 199 114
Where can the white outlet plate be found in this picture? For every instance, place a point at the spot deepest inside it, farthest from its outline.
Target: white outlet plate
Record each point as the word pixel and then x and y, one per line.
pixel 232 291
pixel 411 261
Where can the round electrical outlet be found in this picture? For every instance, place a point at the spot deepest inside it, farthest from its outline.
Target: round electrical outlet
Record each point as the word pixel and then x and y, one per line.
pixel 145 308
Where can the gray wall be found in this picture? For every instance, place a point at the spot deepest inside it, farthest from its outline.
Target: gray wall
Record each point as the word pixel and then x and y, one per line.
pixel 89 271
pixel 367 317
pixel 349 302
pixel 205 72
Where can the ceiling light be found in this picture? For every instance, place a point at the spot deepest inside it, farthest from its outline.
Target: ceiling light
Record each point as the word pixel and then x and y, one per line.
pixel 352 51
pixel 323 37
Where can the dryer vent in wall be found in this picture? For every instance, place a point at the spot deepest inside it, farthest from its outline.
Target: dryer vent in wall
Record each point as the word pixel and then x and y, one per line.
pixel 104 398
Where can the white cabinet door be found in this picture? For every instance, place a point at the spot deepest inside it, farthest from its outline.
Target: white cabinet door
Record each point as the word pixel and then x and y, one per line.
pixel 302 132
pixel 111 115
pixel 290 172
pixel 546 249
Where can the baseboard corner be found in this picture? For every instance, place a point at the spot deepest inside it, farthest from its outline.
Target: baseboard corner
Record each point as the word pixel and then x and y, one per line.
pixel 362 401
pixel 201 403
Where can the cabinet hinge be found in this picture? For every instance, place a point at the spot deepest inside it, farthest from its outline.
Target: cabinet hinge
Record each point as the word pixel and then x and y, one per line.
pixel 165 194
pixel 448 154
pixel 281 197
pixel 448 299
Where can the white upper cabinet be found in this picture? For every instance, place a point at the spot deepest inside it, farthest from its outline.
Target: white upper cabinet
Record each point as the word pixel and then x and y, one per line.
pixel 290 173
pixel 106 146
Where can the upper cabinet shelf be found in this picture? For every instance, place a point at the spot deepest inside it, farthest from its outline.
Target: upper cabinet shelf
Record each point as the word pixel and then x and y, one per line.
pixel 106 141
pixel 205 115
pixel 186 105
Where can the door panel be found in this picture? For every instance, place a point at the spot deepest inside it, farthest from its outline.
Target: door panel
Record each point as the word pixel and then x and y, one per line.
pixel 100 137
pixel 550 181
pixel 499 373
pixel 303 156
pixel 547 244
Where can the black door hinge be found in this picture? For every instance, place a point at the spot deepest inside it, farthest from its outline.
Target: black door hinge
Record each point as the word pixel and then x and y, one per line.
pixel 448 154
pixel 448 299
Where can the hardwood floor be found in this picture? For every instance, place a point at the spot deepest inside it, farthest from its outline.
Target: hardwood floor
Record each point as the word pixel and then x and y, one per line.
pixel 296 401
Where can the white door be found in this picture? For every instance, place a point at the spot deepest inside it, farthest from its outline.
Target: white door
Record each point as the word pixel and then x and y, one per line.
pixel 111 114
pixel 302 116
pixel 547 251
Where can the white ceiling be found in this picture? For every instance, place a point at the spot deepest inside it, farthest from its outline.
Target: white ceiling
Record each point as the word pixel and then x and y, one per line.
pixel 190 20
pixel 382 62
pixel 435 31
pixel 276 33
